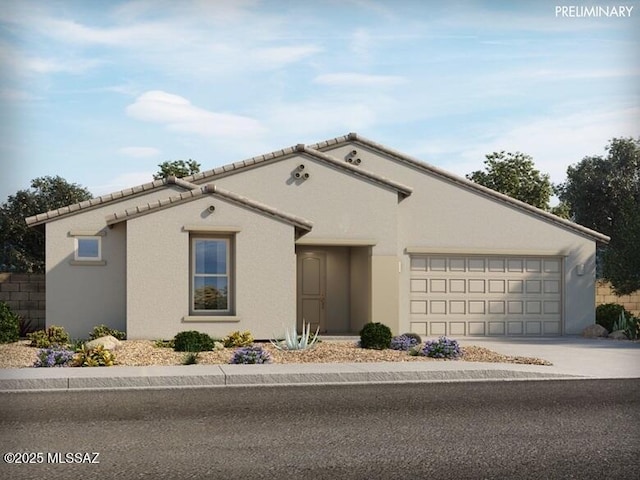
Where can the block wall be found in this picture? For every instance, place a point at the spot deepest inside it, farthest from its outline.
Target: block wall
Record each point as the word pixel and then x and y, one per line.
pixel 604 294
pixel 25 295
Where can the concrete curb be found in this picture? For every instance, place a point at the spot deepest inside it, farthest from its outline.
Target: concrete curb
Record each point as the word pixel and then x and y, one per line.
pixel 113 378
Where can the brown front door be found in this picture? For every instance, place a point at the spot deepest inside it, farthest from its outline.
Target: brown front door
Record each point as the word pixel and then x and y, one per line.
pixel 312 279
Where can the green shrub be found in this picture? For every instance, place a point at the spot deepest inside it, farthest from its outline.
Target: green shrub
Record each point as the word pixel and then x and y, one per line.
pixel 628 324
pixel 237 339
pixel 103 331
pixel 608 313
pixel 94 357
pixel 9 324
pixel 192 341
pixel 376 336
pixel 52 336
pixel 190 358
pixel 163 343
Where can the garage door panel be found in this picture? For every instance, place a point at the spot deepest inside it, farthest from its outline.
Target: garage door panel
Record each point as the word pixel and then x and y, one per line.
pixel 477 328
pixel 533 328
pixel 437 328
pixel 438 285
pixel 515 328
pixel 496 328
pixel 457 328
pixel 486 295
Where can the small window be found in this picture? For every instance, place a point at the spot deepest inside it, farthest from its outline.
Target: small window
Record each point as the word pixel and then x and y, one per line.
pixel 88 248
pixel 211 275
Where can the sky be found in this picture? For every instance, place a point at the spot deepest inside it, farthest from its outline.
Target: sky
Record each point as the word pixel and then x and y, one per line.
pixel 101 92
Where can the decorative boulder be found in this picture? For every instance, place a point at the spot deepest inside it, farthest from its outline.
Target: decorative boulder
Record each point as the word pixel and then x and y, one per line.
pixel 594 331
pixel 108 342
pixel 618 335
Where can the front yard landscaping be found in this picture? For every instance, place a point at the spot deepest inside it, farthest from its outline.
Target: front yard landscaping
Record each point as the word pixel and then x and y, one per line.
pixel 144 352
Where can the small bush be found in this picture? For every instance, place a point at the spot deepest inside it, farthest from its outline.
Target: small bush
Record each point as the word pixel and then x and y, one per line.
pixel 103 331
pixel 237 339
pixel 250 355
pixel 414 335
pixel 190 358
pixel 192 341
pixel 628 324
pixel 52 336
pixel 608 313
pixel 54 357
pixel 163 343
pixel 403 342
pixel 442 348
pixel 26 327
pixel 76 344
pixel 9 324
pixel 94 357
pixel 376 336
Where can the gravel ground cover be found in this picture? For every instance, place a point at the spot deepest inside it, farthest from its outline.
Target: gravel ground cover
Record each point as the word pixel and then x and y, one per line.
pixel 144 353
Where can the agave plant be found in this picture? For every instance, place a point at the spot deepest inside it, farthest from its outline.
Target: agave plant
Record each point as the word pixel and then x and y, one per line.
pixel 628 325
pixel 294 342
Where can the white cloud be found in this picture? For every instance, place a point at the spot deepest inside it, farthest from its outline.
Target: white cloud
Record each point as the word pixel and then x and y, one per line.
pixel 317 117
pixel 179 115
pixel 358 80
pixel 361 44
pixel 279 56
pixel 557 142
pixel 139 152
pixel 59 65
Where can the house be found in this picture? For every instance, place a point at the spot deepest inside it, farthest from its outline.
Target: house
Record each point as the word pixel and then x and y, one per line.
pixel 339 233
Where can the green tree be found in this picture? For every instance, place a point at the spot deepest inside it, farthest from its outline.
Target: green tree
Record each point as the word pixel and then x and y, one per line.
pixel 603 193
pixel 22 247
pixel 514 174
pixel 177 168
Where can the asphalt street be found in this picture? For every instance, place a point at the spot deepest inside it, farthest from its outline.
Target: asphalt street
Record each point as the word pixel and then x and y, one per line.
pixel 536 429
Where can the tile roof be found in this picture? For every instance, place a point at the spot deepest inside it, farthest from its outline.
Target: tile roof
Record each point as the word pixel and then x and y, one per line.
pixel 460 181
pixel 301 148
pixel 98 201
pixel 316 151
pixel 208 175
pixel 198 191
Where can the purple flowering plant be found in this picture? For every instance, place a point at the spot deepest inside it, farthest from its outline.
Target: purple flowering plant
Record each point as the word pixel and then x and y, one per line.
pixel 442 348
pixel 250 355
pixel 403 342
pixel 53 357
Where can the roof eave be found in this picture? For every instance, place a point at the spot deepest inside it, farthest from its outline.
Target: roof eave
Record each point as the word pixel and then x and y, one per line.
pixel 465 183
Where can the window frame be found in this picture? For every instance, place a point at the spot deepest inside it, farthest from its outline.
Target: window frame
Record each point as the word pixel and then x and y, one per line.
pixel 229 275
pixel 76 250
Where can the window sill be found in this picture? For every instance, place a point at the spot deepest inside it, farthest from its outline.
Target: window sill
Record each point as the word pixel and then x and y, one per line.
pixel 211 318
pixel 87 263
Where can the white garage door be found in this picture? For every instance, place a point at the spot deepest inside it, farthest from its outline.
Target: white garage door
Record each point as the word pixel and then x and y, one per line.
pixel 485 295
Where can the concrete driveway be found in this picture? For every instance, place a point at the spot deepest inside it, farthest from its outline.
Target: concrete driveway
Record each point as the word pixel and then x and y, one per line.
pixel 572 355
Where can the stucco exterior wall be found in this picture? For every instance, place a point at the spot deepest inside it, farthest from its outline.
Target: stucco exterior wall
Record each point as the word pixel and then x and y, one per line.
pixel 340 205
pixel 158 276
pixel 82 297
pixel 445 217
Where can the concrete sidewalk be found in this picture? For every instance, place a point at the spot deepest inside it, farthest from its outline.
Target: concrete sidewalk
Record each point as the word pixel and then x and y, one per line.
pixel 572 357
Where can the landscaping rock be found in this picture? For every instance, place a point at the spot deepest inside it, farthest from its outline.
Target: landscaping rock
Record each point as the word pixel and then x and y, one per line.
pixel 108 342
pixel 618 335
pixel 594 331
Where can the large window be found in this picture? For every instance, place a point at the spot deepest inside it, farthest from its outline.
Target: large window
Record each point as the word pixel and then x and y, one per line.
pixel 211 275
